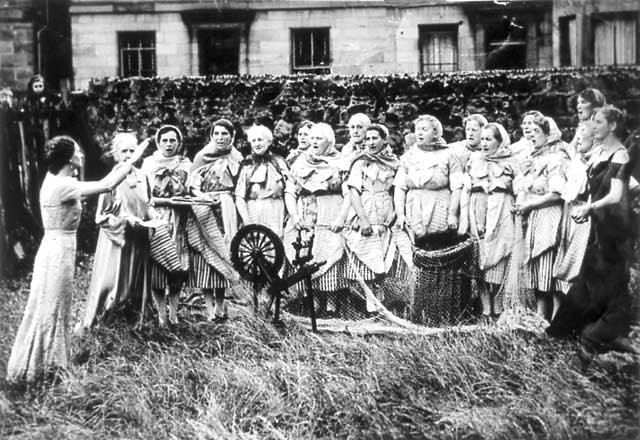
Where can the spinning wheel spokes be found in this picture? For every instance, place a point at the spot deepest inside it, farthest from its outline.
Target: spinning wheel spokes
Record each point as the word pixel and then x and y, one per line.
pixel 257 253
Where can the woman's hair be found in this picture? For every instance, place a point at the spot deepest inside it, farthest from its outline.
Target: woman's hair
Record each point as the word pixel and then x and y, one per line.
pixel 34 79
pixel 435 123
pixel 543 122
pixel 593 97
pixel 326 131
pixel 60 150
pixel 360 117
pixel 476 117
pixel 165 129
pixel 226 124
pixel 613 114
pixel 381 129
pixel 121 139
pixel 534 113
pixel 306 123
pixel 259 130
pixel 499 133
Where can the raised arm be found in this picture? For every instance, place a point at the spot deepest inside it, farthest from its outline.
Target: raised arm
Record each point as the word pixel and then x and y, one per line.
pixel 115 177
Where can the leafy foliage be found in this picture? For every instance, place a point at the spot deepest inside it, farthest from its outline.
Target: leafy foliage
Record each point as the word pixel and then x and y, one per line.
pixel 192 103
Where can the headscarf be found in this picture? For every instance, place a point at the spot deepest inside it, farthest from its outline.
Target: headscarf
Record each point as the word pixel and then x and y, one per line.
pixel 167 175
pixel 504 149
pixel 166 128
pixel 227 124
pixel 223 159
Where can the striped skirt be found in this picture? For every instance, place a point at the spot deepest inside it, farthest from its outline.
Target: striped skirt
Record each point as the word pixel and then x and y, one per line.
pixel 202 275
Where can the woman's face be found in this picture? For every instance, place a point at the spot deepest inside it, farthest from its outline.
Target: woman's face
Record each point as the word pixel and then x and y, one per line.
pixel 38 86
pixel 319 143
pixel 527 126
pixel 221 137
pixel 169 143
pixel 356 131
pixel 473 131
pixel 374 141
pixel 77 160
pixel 488 143
pixel 538 138
pixel 584 109
pixel 601 127
pixel 125 151
pixel 424 133
pixel 259 143
pixel 303 137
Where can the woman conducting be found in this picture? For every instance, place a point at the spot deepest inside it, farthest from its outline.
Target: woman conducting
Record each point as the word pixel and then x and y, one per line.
pixel 42 342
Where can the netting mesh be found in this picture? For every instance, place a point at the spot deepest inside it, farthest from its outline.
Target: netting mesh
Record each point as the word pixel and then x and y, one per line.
pixel 440 290
pixel 437 291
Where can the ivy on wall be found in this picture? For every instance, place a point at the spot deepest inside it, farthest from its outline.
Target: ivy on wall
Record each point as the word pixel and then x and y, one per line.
pixel 143 104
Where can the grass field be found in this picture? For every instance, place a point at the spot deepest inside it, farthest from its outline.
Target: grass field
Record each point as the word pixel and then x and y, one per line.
pixel 246 379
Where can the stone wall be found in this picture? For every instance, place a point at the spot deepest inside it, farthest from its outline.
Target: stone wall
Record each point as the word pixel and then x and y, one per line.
pixel 373 40
pixel 95 43
pixel 16 44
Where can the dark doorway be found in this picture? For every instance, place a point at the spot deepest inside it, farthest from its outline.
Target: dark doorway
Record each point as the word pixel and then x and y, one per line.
pixel 219 51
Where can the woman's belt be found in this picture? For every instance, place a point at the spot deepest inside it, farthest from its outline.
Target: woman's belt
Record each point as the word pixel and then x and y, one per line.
pixel 479 189
pixel 322 192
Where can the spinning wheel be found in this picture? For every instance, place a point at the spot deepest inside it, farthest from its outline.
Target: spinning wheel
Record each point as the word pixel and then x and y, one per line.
pixel 257 253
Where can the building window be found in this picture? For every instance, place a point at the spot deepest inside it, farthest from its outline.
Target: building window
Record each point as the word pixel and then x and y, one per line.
pixel 438 48
pixel 568 41
pixel 137 53
pixel 311 50
pixel 615 39
pixel 506 44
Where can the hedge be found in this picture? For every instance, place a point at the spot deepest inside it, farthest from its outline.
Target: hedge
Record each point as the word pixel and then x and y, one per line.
pixel 143 104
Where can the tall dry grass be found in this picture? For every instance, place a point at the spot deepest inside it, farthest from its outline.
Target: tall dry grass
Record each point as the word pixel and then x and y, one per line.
pixel 248 380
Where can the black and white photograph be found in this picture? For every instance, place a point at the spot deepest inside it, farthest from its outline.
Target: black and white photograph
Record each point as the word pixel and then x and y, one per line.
pixel 320 219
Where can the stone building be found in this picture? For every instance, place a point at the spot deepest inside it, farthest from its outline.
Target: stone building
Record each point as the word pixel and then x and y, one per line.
pixel 171 38
pixel 35 37
pixel 341 37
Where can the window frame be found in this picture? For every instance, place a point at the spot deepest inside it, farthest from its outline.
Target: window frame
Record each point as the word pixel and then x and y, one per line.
pixel 612 16
pixel 564 47
pixel 147 44
pixel 451 28
pixel 312 68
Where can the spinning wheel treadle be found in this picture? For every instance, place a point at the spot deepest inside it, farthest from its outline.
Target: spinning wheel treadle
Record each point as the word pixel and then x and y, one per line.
pixel 257 253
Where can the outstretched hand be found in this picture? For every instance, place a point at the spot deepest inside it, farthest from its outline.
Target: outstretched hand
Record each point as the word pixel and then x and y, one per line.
pixel 140 149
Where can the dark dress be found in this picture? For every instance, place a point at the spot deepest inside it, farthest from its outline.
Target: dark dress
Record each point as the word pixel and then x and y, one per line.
pixel 597 308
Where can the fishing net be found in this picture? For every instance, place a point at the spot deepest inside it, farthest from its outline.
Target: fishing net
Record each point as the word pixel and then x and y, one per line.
pixel 439 292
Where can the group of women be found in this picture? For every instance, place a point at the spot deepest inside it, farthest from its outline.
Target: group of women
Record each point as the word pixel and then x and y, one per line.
pixel 169 224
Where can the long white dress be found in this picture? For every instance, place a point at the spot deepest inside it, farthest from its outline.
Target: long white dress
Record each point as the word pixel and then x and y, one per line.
pixel 42 341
